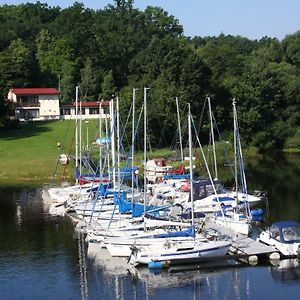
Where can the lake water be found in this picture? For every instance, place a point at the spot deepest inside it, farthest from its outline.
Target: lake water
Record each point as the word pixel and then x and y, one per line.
pixel 42 257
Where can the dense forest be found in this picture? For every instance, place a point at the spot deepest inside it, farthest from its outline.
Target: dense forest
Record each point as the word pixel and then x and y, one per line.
pixel 113 50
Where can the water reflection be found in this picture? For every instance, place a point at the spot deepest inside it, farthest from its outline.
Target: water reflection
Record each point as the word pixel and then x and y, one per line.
pixel 279 175
pixel 82 253
pixel 286 270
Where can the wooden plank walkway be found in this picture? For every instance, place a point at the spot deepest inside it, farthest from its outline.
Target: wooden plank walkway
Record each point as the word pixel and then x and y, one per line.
pixel 250 247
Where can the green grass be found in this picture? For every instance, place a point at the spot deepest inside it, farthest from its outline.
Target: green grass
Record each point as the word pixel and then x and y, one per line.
pixel 29 154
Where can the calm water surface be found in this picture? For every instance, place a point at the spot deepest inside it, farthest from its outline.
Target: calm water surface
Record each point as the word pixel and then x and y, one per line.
pixel 41 257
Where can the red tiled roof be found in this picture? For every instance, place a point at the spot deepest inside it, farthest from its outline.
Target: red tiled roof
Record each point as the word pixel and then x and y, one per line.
pixel 35 91
pixel 86 104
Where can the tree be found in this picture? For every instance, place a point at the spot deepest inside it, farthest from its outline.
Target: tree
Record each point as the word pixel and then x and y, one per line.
pixel 67 82
pixel 264 94
pixel 291 47
pixel 16 63
pixel 88 84
pixel 51 55
pixel 108 86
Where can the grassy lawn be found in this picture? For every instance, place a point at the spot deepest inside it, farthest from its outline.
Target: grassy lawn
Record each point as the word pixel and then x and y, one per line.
pixel 29 154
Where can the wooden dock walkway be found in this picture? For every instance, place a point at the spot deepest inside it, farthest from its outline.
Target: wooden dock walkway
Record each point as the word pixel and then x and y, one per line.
pixel 249 246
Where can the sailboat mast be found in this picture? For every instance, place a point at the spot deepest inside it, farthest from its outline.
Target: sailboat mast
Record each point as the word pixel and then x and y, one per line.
pixel 76 134
pixel 118 144
pixel 191 162
pixel 244 189
pixel 212 137
pixel 235 149
pixel 80 138
pixel 179 130
pixel 145 146
pixel 112 132
pixel 108 140
pixel 132 143
pixel 100 142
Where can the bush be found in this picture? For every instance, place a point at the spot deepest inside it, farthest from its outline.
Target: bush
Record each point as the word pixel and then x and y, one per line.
pixel 293 142
pixel 8 124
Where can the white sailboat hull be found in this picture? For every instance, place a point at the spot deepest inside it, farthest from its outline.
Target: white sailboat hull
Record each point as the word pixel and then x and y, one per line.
pixel 183 252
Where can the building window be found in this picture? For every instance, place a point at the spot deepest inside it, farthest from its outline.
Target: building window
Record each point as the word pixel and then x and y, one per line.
pixel 33 99
pixel 82 112
pixel 65 111
pixel 93 111
pixel 29 114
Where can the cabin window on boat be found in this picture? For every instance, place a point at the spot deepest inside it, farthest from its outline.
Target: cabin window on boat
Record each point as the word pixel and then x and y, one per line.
pixel 274 233
pixel 291 233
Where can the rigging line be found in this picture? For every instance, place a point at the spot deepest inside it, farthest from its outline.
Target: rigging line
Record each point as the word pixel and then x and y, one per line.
pixel 60 152
pixel 127 160
pixel 126 123
pixel 70 147
pixel 162 136
pixel 135 134
pixel 206 165
pixel 96 197
pixel 201 116
pixel 223 145
pixel 102 197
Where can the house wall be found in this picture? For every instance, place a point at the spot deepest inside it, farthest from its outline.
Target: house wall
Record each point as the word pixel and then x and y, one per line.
pixel 12 97
pixel 49 106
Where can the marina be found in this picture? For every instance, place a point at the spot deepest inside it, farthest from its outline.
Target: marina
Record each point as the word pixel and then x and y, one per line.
pixel 173 219
pixel 141 161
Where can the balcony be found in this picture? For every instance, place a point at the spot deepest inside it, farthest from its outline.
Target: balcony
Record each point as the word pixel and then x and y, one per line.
pixel 28 104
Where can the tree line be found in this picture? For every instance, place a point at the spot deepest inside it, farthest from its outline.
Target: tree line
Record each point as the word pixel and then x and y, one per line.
pixel 110 51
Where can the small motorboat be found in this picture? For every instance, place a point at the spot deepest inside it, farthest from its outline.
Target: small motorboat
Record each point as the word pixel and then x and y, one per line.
pixel 284 236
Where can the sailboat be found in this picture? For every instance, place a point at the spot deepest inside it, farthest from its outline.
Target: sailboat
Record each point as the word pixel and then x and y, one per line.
pixel 210 194
pixel 235 220
pixel 182 249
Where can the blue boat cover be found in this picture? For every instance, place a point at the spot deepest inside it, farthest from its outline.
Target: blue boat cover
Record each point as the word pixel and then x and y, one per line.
pixel 136 209
pixel 282 224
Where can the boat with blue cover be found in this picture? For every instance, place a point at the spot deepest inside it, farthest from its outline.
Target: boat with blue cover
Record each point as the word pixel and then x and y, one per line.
pixel 284 236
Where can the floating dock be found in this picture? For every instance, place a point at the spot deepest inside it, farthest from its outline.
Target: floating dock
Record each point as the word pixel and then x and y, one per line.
pixel 249 247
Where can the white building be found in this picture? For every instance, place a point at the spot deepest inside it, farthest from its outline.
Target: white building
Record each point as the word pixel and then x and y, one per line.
pixel 35 103
pixel 89 109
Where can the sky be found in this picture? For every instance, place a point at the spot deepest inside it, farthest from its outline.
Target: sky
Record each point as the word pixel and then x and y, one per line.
pixel 253 19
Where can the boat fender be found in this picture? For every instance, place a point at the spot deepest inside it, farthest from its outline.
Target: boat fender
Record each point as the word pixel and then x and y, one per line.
pixel 253 260
pixel 157 264
pixel 274 256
